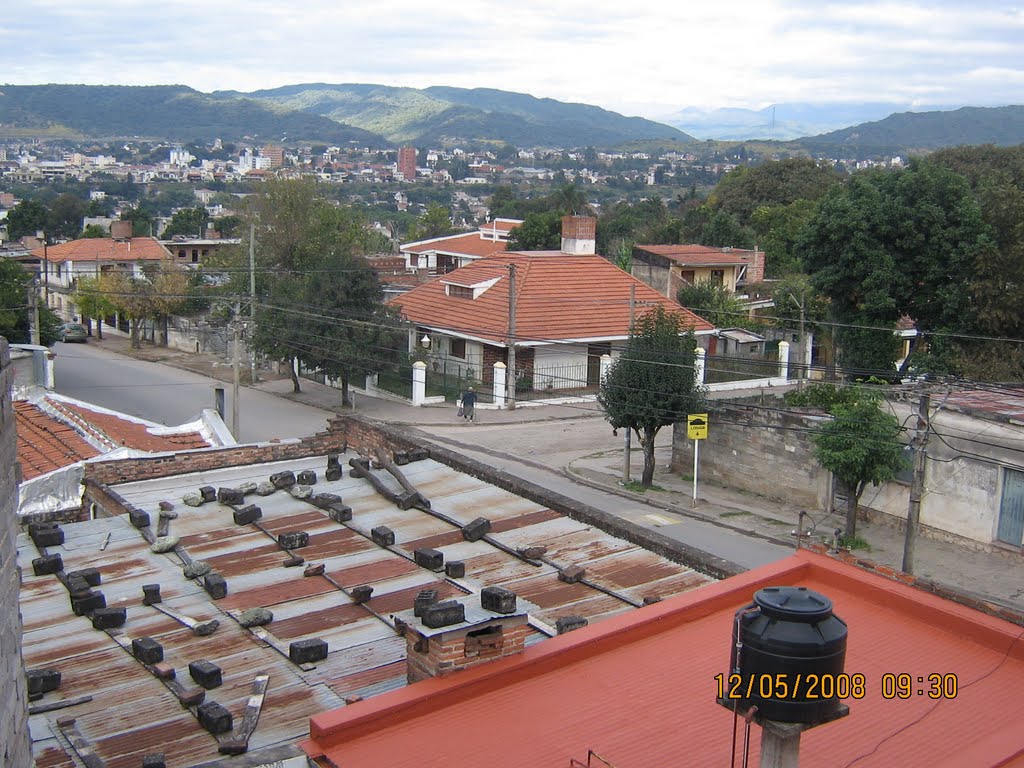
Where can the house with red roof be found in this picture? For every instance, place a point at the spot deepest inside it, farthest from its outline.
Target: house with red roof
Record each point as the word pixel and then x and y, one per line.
pixel 569 309
pixel 64 264
pixel 922 681
pixel 440 255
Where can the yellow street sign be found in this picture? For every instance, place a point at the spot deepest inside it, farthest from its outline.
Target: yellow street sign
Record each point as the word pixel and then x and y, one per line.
pixel 697 426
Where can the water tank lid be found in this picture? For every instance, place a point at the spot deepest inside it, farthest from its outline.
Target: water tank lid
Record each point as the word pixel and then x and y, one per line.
pixel 793 603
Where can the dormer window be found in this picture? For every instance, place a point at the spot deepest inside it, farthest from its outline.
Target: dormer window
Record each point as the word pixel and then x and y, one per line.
pixel 460 291
pixel 473 291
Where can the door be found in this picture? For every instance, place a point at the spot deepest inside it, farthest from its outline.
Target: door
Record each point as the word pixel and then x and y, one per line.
pixel 594 354
pixel 1011 510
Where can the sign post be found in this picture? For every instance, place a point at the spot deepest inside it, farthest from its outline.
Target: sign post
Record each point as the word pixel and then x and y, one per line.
pixel 696 430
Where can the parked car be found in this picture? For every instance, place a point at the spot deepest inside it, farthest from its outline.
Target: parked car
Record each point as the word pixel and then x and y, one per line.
pixel 73 332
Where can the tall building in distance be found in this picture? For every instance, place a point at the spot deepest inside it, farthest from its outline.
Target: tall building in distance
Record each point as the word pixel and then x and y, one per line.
pixel 275 154
pixel 407 162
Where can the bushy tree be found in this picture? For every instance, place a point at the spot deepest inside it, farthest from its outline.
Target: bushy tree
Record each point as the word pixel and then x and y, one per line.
pixel 92 297
pixel 435 222
pixel 26 218
pixel 716 304
pixel 188 222
pixel 15 325
pixel 652 384
pixel 538 232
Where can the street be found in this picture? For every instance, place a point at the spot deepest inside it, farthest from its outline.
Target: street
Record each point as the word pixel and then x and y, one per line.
pixel 171 396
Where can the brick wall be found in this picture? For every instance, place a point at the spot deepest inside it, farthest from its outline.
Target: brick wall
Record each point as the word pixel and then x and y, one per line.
pixel 440 656
pixel 759 450
pixel 15 749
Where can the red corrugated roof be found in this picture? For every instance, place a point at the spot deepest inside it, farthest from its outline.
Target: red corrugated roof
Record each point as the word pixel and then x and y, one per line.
pixel 559 297
pixel 46 444
pixel 639 689
pixel 106 249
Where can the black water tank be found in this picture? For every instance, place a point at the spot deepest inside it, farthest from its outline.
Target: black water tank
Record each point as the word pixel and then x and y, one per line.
pixel 790 632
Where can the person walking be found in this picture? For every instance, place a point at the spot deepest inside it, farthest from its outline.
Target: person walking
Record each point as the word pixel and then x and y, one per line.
pixel 469 405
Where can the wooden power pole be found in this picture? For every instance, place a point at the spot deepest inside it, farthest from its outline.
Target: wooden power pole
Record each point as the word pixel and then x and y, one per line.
pixel 917 482
pixel 511 383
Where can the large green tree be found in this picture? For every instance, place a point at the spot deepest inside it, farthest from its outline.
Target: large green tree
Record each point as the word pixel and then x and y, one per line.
pixel 887 244
pixel 15 325
pixel 188 222
pixel 318 300
pixel 65 217
pixel 652 384
pixel 26 218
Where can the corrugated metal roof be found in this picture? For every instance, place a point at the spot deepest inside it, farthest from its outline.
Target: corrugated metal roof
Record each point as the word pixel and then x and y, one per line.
pixel 132 713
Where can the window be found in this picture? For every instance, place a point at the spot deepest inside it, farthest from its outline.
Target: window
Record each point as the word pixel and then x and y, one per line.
pixel 687 276
pixel 457 348
pixel 460 291
pixel 717 276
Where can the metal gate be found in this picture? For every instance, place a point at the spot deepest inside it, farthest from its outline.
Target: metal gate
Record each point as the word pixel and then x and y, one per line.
pixel 1011 510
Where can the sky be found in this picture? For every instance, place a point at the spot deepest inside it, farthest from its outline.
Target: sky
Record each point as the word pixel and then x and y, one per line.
pixel 638 57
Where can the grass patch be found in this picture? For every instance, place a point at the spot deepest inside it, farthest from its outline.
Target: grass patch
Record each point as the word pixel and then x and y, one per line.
pixel 854 542
pixel 635 487
pixel 735 513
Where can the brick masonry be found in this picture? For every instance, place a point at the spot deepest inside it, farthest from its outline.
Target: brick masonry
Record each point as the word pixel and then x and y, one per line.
pixel 15 748
pixel 440 656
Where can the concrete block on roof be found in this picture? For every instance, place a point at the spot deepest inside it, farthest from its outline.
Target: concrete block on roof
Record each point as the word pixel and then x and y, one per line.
pixel 340 513
pixel 477 529
pixel 165 506
pixel 50 535
pixel 423 598
pixel 443 614
pixel 498 600
pixel 83 605
pixel 154 760
pixel 247 514
pixel 255 617
pixel 215 718
pixel 568 623
pixel 216 586
pixel 47 564
pixel 572 574
pixel 232 496
pixel 151 594
pixel 383 536
pixel 306 477
pixel 91 576
pixel 42 680
pixel 293 539
pixel 109 618
pixel 208 493
pixel 361 593
pixel 429 558
pixel 138 517
pixel 455 569
pixel 308 651
pixel 206 674
pixel 147 650
pixel 191 697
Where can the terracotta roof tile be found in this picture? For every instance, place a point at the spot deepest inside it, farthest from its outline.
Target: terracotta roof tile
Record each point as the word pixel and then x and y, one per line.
pixel 44 443
pixel 559 297
pixel 699 255
pixel 106 249
pixel 133 434
pixel 469 244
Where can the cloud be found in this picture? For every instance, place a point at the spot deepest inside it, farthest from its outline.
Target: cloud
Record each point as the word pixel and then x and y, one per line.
pixel 646 55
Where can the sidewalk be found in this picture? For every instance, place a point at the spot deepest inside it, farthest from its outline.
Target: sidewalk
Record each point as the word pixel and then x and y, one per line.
pixel 998 578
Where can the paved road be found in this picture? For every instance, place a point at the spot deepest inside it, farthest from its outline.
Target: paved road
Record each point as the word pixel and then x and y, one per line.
pixel 538 452
pixel 172 396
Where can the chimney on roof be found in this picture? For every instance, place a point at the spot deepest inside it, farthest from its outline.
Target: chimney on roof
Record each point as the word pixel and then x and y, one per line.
pixel 121 230
pixel 490 626
pixel 579 235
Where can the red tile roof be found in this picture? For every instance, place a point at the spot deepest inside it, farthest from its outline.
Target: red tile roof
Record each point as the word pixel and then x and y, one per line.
pixel 699 255
pixel 106 249
pixel 469 244
pixel 639 689
pixel 52 437
pixel 559 297
pixel 44 443
pixel 123 431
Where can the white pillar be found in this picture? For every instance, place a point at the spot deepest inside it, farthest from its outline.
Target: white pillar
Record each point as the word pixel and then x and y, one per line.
pixel 783 359
pixel 500 370
pixel 606 363
pixel 698 365
pixel 419 382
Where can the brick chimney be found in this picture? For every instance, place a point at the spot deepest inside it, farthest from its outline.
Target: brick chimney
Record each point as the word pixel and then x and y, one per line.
pixel 121 230
pixel 458 634
pixel 579 235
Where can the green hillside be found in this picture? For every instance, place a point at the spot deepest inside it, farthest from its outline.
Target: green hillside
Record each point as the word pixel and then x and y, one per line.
pixel 169 112
pixel 1003 126
pixel 434 114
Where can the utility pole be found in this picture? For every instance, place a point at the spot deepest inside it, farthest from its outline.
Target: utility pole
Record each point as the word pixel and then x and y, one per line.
pixel 626 458
pixel 33 309
pixel 917 481
pixel 511 337
pixel 237 328
pixel 252 298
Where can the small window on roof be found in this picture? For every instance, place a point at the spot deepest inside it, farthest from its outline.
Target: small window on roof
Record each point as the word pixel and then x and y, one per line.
pixel 460 291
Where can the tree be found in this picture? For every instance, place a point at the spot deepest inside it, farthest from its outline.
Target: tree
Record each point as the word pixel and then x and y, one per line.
pixel 435 222
pixel 652 385
pixel 92 297
pixel 95 232
pixel 14 309
pixel 188 222
pixel 142 221
pixel 859 445
pixel 26 218
pixel 716 304
pixel 65 217
pixel 538 232
pixel 887 244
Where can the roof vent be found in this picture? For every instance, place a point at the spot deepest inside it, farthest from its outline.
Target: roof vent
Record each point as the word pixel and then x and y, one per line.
pixel 579 235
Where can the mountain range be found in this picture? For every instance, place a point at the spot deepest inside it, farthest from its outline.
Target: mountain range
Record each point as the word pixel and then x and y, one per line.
pixel 382 116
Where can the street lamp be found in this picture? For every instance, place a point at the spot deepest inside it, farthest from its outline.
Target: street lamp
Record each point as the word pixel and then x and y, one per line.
pixel 425 341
